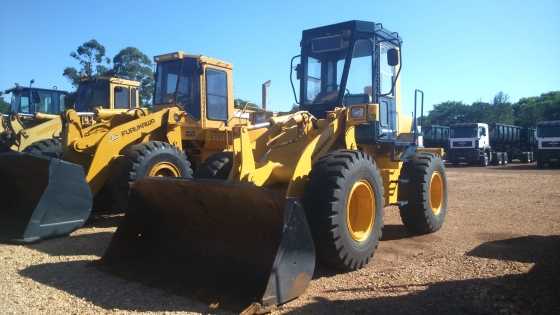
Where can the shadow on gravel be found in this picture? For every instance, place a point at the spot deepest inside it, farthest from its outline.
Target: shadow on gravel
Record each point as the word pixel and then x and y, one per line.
pixel 83 244
pixel 103 220
pixel 393 232
pixel 85 280
pixel 536 292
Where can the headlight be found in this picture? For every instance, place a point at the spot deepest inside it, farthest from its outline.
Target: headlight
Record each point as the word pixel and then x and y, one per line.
pixel 357 112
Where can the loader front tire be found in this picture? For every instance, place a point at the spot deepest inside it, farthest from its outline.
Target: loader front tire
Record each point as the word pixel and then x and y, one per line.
pixel 216 166
pixel 47 147
pixel 344 204
pixel 157 159
pixel 154 158
pixel 423 193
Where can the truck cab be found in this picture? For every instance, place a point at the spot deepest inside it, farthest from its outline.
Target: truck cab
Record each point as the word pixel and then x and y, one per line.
pixel 548 139
pixel 469 143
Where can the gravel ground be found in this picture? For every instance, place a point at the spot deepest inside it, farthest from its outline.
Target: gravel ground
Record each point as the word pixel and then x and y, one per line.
pixel 498 253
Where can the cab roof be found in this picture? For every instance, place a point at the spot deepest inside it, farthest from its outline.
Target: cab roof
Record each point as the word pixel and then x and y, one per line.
pixel 201 58
pixel 116 80
pixel 355 26
pixel 23 88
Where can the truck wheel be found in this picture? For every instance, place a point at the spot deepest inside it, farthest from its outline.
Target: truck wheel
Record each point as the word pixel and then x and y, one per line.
pixel 540 163
pixel 216 166
pixel 48 147
pixel 424 194
pixel 155 158
pixel 484 160
pixel 505 158
pixel 344 204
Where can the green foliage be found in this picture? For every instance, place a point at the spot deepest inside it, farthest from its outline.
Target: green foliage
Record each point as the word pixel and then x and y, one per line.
pixel 4 106
pixel 133 64
pixel 93 62
pixel 526 112
pixel 530 110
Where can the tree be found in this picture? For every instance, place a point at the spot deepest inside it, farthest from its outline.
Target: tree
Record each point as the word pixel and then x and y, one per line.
pixel 526 112
pixel 530 110
pixel 500 98
pixel 447 113
pixel 133 64
pixel 93 62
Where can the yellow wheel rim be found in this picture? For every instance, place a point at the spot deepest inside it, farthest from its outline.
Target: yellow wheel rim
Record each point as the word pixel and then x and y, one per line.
pixel 436 192
pixel 360 210
pixel 164 169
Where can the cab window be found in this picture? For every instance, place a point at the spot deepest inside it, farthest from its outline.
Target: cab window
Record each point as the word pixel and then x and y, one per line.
pixel 121 96
pixel 386 71
pixel 133 97
pixel 216 94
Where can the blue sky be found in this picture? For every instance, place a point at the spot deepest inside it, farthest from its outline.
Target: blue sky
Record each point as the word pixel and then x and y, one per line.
pixel 453 50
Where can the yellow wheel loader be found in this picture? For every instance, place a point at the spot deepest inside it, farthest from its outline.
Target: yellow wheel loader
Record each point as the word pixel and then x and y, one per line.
pixel 192 118
pixel 247 232
pixel 35 123
pixel 43 196
pixel 34 116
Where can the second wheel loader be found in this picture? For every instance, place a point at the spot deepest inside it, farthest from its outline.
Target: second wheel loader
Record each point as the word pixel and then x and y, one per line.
pixel 308 185
pixel 191 119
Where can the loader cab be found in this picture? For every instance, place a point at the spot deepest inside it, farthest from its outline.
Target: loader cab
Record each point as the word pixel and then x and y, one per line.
pixel 351 63
pixel 107 93
pixel 30 100
pixel 200 85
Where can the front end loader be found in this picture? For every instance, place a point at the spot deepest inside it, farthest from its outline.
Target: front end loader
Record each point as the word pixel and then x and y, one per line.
pixel 246 232
pixel 34 116
pixel 44 195
pixel 192 118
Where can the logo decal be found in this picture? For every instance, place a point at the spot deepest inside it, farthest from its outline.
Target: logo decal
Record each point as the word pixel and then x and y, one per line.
pixel 138 127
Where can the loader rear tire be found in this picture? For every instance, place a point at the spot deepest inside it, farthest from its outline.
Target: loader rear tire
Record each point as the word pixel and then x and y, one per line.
pixel 216 166
pixel 423 192
pixel 47 147
pixel 344 204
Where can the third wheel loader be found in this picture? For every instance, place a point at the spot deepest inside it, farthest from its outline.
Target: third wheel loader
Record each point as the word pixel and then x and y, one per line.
pixel 312 184
pixel 35 124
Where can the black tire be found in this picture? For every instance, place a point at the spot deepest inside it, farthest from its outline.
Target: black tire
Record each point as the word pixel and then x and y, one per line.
pixel 138 161
pixel 48 147
pixel 145 156
pixel 416 181
pixel 505 158
pixel 216 166
pixel 540 163
pixel 325 200
pixel 484 160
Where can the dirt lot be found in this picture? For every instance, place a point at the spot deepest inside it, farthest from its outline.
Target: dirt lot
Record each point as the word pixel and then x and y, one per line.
pixel 498 253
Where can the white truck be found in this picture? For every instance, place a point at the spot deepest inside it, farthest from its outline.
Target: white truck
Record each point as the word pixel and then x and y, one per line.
pixel 548 138
pixel 481 144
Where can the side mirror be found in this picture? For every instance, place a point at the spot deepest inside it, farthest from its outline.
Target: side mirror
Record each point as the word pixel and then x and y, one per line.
pixel 393 57
pixel 299 75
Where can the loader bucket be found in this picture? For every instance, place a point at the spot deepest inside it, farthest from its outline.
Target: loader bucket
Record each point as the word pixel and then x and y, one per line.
pixel 40 197
pixel 231 244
